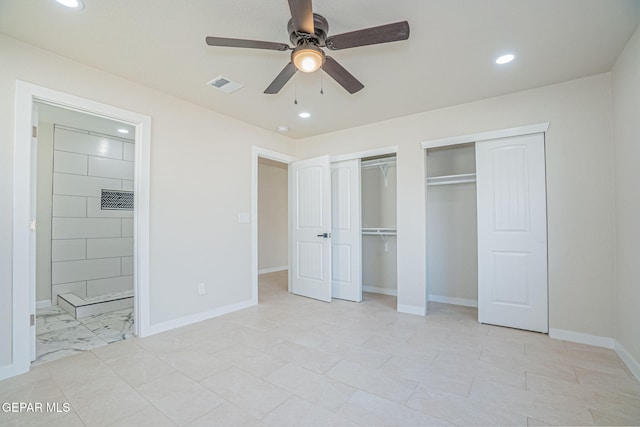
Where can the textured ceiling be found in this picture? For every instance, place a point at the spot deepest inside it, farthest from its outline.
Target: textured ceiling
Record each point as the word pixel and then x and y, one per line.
pixel 448 60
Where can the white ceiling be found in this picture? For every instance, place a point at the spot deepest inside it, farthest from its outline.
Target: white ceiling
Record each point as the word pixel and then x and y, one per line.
pixel 448 59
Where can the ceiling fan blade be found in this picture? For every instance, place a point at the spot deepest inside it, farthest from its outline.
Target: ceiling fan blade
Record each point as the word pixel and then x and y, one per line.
pixel 251 44
pixel 285 75
pixel 302 15
pixel 374 35
pixel 341 75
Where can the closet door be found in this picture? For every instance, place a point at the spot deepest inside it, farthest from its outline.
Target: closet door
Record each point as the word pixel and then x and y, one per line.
pixel 310 202
pixel 512 232
pixel 346 221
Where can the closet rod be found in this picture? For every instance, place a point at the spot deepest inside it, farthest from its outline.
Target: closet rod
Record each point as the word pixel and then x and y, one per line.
pixel 380 231
pixel 383 233
pixel 451 179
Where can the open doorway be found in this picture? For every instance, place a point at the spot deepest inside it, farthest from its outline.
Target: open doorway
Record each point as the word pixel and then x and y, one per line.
pixel 273 228
pixel 269 196
pixel 84 240
pixel 24 213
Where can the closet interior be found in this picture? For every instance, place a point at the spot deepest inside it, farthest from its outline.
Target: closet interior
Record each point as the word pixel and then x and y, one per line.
pixel 379 248
pixel 452 242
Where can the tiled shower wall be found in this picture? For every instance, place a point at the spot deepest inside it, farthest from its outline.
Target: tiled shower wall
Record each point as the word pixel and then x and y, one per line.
pixel 91 249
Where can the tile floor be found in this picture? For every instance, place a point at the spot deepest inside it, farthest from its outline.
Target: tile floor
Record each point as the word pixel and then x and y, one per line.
pixel 292 361
pixel 59 335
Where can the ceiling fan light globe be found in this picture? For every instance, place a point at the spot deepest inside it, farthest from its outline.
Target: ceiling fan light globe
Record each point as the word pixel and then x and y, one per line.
pixel 309 64
pixel 308 59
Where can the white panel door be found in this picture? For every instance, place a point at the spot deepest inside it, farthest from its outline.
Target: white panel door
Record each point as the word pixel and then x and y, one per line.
pixel 512 232
pixel 346 237
pixel 310 201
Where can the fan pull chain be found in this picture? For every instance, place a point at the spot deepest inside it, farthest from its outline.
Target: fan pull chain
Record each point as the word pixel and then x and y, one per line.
pixel 321 81
pixel 295 88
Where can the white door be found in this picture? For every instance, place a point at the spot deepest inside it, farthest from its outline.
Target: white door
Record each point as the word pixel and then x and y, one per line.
pixel 512 232
pixel 346 241
pixel 310 202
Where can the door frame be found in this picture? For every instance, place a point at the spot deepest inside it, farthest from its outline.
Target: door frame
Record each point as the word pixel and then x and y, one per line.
pixel 23 179
pixel 257 152
pixel 474 138
pixel 483 136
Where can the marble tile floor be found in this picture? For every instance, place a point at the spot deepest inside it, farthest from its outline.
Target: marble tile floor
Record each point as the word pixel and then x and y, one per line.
pixel 59 335
pixel 293 361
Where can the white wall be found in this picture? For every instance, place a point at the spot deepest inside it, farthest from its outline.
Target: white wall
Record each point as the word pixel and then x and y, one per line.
pixel 579 164
pixel 194 229
pixel 626 127
pixel 273 226
pixel 379 264
pixel 452 242
pixel 379 198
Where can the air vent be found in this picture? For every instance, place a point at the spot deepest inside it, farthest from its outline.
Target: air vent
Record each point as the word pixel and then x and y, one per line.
pixel 116 200
pixel 224 84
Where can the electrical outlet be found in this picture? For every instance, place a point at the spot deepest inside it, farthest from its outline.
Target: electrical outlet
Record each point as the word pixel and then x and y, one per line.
pixel 202 289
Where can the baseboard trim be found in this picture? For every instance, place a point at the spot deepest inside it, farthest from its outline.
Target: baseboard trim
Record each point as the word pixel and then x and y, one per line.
pixel 581 338
pixel 273 269
pixel 412 309
pixel 379 290
pixel 453 300
pixel 598 341
pixel 199 317
pixel 43 304
pixel 12 370
pixel 628 359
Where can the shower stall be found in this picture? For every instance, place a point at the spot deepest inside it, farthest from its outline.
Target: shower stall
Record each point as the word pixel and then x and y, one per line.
pixel 85 203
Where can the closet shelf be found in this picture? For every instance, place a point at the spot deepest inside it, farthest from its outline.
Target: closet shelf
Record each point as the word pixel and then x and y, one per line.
pixel 383 164
pixel 451 179
pixel 380 231
pixel 386 161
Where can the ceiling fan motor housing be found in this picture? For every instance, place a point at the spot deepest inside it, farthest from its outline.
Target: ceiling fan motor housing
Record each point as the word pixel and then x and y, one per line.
pixel 320 29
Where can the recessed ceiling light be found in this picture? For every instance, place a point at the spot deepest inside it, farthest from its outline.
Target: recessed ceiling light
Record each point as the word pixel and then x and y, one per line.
pixel 73 4
pixel 122 130
pixel 505 59
pixel 283 129
pixel 304 115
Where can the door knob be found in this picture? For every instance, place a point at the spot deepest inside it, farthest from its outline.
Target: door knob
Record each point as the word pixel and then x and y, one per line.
pixel 325 235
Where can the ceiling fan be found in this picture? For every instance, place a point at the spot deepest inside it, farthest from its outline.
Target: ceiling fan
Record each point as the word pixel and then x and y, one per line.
pixel 308 34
